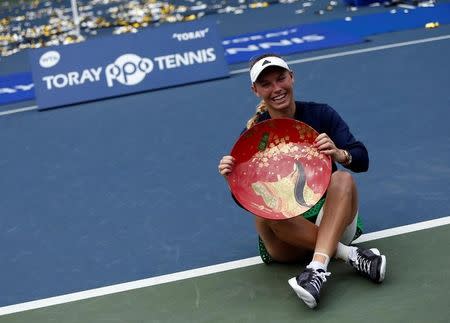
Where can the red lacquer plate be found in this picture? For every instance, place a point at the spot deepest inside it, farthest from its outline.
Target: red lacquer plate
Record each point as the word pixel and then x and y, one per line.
pixel 278 174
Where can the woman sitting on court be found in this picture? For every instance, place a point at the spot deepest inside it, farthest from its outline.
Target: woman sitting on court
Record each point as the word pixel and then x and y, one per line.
pixel 327 229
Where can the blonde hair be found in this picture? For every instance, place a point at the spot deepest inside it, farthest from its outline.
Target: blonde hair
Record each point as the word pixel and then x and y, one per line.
pixel 260 109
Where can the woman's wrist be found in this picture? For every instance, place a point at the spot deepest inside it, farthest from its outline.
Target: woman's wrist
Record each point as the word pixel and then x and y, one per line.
pixel 346 157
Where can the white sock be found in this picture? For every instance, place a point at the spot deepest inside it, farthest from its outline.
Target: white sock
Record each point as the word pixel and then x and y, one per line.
pixel 314 264
pixel 317 265
pixel 345 252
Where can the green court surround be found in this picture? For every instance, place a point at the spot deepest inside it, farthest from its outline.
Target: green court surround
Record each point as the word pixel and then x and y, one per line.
pixel 415 290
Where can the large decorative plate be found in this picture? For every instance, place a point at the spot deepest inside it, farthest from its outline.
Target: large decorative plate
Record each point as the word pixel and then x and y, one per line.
pixel 278 173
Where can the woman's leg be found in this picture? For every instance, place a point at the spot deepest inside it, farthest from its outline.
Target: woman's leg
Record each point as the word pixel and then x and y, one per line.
pixel 341 205
pixel 289 240
pixel 340 208
pixel 293 239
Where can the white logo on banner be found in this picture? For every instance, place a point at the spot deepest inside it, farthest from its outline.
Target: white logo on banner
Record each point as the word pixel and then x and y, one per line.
pixel 190 35
pixel 49 59
pixel 201 56
pixel 128 69
pixel 246 39
pixel 24 88
pixel 72 78
pixel 285 42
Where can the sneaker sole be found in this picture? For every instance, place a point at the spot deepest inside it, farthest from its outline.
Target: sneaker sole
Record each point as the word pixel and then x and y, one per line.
pixel 382 268
pixel 383 264
pixel 302 293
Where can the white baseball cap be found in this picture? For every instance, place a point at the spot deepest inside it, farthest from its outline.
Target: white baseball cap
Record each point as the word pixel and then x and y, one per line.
pixel 265 62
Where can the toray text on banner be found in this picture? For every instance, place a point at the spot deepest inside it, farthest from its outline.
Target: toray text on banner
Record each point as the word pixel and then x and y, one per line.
pixel 117 65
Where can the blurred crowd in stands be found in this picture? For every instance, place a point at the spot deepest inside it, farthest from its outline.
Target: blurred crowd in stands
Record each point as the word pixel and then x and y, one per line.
pixel 39 23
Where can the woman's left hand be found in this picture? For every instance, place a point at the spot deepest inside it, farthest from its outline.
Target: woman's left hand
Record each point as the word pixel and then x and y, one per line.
pixel 326 146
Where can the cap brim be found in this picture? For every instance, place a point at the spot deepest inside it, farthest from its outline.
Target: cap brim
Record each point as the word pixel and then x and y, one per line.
pixel 264 63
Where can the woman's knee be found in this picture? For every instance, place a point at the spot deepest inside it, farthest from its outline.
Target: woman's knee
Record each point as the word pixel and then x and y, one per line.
pixel 342 181
pixel 343 185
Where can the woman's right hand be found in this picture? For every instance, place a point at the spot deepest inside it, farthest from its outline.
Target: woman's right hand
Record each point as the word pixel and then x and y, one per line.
pixel 226 165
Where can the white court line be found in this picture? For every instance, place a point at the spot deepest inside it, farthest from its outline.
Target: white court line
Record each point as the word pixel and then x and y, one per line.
pixel 357 51
pixel 304 60
pixel 4 113
pixel 198 272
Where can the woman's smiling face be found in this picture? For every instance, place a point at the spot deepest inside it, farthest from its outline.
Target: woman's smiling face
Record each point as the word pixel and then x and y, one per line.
pixel 275 86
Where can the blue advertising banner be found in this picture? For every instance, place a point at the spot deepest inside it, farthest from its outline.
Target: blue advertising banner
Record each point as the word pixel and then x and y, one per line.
pixel 16 87
pixel 285 41
pixel 327 34
pixel 111 66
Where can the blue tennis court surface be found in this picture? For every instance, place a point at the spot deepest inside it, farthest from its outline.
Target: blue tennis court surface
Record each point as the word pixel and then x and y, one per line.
pixel 124 189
